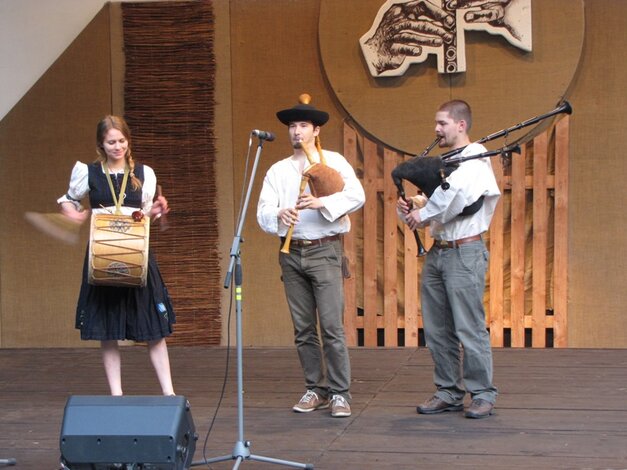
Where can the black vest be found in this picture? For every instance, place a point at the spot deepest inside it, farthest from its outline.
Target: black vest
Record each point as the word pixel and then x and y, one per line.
pixel 100 193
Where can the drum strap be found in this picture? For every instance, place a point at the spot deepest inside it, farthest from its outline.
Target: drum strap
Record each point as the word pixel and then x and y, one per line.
pixel 118 202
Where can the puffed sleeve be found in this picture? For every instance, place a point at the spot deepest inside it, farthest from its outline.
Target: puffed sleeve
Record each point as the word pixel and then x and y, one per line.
pixel 148 188
pixel 79 186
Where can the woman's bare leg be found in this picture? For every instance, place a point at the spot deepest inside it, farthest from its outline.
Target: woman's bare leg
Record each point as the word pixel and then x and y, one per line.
pixel 113 365
pixel 158 351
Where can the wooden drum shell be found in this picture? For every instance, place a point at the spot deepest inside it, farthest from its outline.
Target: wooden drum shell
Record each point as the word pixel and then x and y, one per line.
pixel 118 251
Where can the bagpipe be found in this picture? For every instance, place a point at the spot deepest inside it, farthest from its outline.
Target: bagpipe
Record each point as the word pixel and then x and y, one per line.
pixel 322 180
pixel 430 173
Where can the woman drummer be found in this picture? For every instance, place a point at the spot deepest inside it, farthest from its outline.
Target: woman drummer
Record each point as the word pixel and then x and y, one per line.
pixel 115 183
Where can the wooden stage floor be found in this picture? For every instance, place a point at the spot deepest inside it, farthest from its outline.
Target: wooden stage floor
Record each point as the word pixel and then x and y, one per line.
pixel 562 409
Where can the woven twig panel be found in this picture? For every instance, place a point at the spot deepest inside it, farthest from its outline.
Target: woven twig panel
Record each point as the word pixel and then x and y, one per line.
pixel 169 105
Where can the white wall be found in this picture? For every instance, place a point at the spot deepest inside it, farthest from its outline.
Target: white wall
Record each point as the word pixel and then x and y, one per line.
pixel 33 34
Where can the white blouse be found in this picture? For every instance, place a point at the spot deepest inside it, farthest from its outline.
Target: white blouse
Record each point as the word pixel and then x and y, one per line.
pixel 79 189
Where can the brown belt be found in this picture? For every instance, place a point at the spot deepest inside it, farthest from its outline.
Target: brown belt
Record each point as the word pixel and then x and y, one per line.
pixel 317 242
pixel 455 243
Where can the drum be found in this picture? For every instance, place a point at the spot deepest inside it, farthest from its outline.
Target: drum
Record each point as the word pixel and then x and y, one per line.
pixel 118 250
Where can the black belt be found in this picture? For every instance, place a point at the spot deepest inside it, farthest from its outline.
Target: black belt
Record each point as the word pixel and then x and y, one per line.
pixel 317 242
pixel 455 243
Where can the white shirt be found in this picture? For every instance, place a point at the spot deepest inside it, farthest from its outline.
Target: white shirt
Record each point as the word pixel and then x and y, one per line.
pixel 471 180
pixel 79 189
pixel 280 190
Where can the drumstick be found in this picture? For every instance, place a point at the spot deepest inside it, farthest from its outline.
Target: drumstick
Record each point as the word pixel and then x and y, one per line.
pixel 163 225
pixel 56 225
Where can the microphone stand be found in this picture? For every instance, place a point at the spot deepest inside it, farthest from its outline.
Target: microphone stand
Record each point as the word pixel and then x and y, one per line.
pixel 241 450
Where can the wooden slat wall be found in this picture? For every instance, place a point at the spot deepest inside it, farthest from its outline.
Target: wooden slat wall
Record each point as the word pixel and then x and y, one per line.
pixel 390 271
pixel 350 292
pixel 526 295
pixel 371 188
pixel 411 293
pixel 560 246
pixel 494 309
pixel 518 200
pixel 538 309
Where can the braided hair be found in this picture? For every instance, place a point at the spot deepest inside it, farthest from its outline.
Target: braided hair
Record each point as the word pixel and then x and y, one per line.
pixel 116 122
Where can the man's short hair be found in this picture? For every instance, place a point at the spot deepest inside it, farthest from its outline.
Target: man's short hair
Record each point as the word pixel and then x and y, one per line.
pixel 458 110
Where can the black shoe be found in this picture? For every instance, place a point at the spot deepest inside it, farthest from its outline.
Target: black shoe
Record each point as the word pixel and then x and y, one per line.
pixel 436 405
pixel 479 408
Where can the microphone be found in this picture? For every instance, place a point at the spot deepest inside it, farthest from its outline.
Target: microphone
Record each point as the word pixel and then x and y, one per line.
pixel 263 135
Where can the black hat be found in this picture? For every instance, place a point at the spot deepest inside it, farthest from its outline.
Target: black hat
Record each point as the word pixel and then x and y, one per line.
pixel 303 112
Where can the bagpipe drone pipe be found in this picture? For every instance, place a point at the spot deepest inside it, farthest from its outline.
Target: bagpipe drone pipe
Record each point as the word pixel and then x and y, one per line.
pixel 429 173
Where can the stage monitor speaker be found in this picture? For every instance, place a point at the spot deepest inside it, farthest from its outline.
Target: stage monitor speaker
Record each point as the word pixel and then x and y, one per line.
pixel 138 432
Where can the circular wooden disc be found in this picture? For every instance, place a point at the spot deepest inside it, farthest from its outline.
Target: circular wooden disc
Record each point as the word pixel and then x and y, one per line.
pixel 503 84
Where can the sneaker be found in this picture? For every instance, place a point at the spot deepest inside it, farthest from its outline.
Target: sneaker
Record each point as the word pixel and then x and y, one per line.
pixel 340 407
pixel 436 405
pixel 479 408
pixel 310 402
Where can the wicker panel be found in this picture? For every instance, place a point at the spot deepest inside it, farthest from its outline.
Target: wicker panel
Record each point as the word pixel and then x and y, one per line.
pixel 169 105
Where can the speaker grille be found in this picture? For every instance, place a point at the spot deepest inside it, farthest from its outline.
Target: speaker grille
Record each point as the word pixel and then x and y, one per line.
pixel 101 431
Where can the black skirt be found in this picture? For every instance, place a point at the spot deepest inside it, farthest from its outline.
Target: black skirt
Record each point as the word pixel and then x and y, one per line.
pixel 118 313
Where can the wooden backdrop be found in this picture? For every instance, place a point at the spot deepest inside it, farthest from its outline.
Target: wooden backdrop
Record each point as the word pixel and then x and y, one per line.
pixel 596 298
pixel 261 71
pixel 527 281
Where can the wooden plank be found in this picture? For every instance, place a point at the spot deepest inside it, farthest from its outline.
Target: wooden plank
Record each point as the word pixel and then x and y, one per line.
pixel 495 308
pixel 527 322
pixel 560 248
pixel 390 241
pixel 370 242
pixel 412 289
pixel 518 237
pixel 350 284
pixel 550 181
pixel 539 256
pixel 559 427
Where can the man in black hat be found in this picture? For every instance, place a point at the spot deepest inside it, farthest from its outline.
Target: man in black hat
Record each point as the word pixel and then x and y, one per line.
pixel 312 268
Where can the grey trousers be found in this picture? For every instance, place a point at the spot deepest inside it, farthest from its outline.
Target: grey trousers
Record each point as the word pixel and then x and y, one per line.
pixel 452 287
pixel 314 287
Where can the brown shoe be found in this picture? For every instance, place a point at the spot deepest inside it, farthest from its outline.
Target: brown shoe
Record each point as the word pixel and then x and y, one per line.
pixel 479 408
pixel 310 401
pixel 436 405
pixel 340 407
